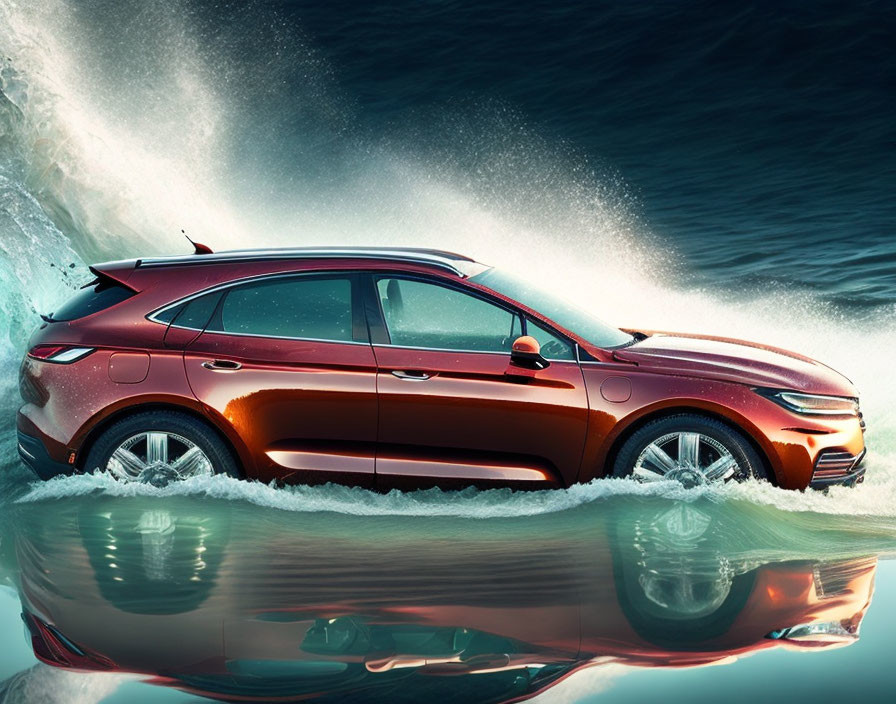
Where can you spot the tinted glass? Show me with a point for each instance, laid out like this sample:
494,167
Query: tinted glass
195,313
167,315
552,346
421,314
304,307
96,296
563,313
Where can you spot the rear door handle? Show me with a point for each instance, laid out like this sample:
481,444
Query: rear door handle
222,365
411,375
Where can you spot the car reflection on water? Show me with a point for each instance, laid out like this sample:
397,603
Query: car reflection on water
237,604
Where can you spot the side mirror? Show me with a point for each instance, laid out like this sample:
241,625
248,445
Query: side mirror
526,354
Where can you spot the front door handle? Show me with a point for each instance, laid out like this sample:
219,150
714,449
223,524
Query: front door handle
411,375
222,365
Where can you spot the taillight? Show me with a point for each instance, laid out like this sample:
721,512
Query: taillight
60,354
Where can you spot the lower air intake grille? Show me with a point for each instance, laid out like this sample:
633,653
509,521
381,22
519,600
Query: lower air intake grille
834,578
832,466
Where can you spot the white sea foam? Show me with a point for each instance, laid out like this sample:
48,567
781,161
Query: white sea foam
874,499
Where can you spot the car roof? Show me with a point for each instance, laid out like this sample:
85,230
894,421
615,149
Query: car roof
456,263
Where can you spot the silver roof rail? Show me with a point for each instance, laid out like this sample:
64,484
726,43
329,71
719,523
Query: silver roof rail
456,263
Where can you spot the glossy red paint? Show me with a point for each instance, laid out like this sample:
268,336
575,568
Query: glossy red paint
378,415
470,411
128,367
311,405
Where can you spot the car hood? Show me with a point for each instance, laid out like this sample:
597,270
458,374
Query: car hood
736,361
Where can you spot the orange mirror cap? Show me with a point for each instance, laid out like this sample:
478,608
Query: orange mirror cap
527,344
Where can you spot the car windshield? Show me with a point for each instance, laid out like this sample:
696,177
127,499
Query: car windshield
563,313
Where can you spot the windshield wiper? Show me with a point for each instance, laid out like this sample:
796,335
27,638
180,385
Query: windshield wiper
636,338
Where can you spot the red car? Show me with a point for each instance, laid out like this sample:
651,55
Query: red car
407,368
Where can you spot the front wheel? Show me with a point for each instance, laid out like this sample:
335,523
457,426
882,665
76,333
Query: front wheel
690,449
158,447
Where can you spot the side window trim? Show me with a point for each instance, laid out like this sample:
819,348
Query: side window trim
373,311
359,319
360,330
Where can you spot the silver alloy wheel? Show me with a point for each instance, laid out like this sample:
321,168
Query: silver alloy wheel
686,457
158,457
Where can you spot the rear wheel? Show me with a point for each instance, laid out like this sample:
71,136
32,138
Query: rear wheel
158,447
690,449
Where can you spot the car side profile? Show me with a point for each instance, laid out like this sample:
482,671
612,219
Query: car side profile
407,368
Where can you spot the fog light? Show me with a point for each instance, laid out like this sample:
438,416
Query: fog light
830,632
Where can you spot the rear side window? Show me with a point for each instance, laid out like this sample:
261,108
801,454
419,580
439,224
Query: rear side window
92,298
302,307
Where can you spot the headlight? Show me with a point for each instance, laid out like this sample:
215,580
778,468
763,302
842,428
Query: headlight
812,404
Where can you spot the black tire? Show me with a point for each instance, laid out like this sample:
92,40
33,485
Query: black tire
198,432
750,464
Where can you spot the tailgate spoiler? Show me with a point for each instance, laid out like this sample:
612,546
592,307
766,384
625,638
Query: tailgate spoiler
118,272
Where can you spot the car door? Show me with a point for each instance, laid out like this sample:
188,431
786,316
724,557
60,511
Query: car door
453,411
285,361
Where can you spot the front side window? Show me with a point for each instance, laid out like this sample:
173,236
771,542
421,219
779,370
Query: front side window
424,314
552,346
302,307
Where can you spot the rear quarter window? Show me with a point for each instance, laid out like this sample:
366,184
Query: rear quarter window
92,298
193,314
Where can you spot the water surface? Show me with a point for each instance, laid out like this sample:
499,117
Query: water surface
222,598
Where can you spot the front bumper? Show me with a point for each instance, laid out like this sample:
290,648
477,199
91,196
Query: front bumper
36,457
814,452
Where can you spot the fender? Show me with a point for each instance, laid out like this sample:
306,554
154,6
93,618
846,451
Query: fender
595,463
95,425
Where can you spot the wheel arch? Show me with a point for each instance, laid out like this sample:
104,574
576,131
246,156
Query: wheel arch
733,420
98,426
